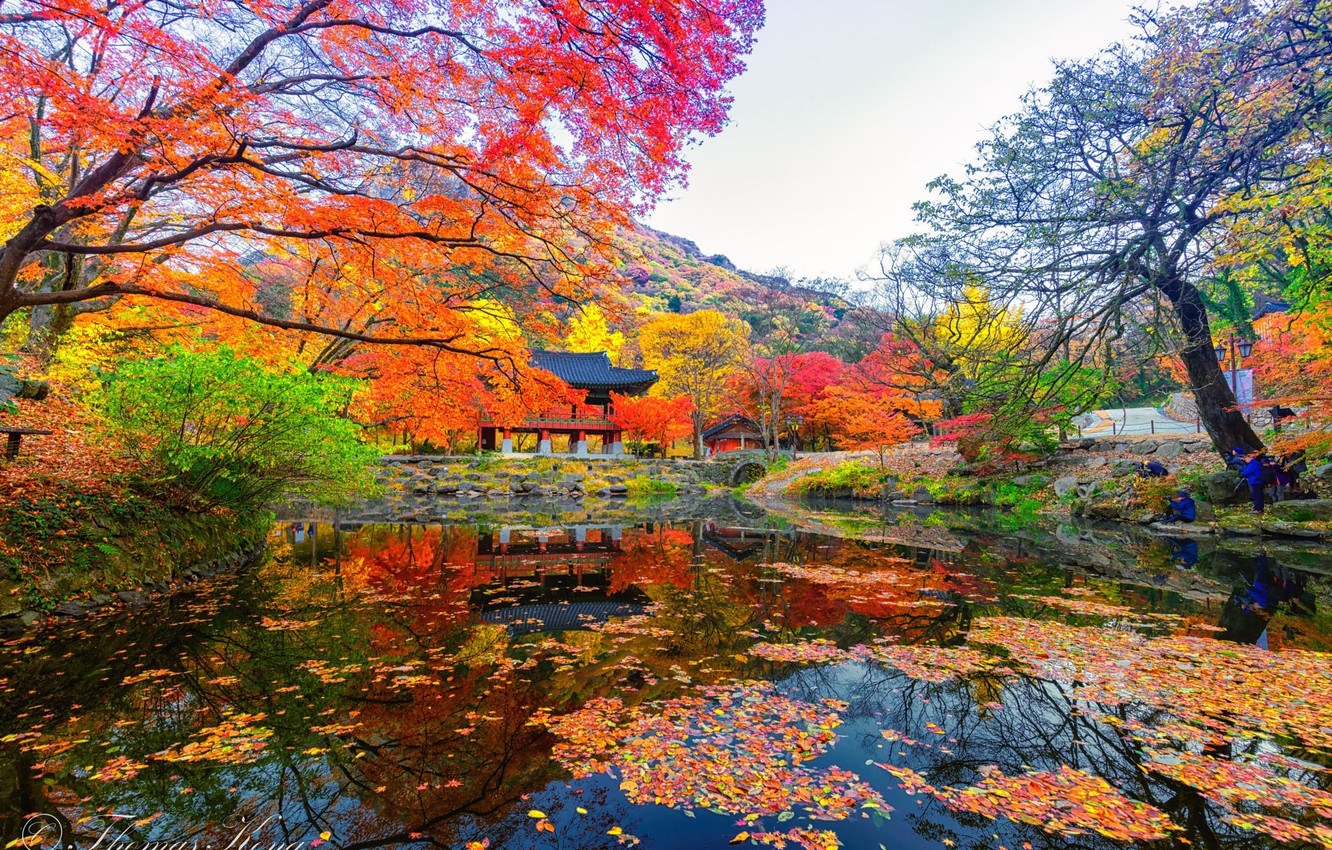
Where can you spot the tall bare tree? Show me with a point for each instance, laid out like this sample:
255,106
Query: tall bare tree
1118,186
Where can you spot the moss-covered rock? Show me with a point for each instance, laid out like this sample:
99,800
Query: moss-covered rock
1307,510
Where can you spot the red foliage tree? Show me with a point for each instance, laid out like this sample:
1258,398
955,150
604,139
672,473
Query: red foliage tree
413,157
867,420
653,419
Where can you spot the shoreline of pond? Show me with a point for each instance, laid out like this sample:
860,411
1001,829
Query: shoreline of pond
1088,543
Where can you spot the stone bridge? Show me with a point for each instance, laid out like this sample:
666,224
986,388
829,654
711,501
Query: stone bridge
741,470
731,469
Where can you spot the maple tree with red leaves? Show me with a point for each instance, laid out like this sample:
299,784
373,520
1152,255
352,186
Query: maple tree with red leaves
873,404
397,162
811,378
779,392
653,419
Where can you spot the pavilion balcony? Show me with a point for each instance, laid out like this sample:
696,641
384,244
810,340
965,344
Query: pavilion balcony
598,418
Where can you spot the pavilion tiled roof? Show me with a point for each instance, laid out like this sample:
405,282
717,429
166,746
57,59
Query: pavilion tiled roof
737,421
1272,305
591,370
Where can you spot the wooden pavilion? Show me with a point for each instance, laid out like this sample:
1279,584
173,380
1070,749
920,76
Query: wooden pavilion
591,372
735,433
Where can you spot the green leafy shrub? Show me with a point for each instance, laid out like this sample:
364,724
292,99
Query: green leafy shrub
218,429
1006,494
641,486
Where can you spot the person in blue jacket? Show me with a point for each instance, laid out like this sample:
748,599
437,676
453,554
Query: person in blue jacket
1153,469
1182,508
1235,458
1252,472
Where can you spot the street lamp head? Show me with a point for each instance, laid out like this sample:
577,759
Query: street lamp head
1220,352
1245,348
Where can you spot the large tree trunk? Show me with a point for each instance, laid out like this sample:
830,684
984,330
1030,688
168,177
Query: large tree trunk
698,435
1217,408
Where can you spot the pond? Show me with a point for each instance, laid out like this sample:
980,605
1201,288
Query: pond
887,683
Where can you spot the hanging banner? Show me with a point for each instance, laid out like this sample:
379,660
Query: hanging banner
1241,384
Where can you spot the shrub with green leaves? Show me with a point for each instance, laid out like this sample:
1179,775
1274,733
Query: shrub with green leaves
218,429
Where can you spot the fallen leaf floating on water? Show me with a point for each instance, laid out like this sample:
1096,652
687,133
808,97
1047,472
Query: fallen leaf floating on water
1197,679
1063,802
920,661
734,749
237,740
809,839
807,652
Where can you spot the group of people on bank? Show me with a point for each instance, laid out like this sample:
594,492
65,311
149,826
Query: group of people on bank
1267,479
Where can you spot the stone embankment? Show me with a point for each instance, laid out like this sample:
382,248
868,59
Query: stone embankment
1160,448
470,479
98,604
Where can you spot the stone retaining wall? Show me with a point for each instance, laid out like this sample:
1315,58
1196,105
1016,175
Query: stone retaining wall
1182,407
1160,446
471,478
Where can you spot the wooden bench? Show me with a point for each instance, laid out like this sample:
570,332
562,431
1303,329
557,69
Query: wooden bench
16,436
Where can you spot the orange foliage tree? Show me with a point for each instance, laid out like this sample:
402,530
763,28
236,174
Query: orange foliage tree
652,418
363,170
1291,368
877,402
861,420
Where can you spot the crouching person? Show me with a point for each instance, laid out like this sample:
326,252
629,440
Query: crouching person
1181,508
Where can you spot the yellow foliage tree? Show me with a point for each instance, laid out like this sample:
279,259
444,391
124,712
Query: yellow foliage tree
976,330
19,176
695,355
589,331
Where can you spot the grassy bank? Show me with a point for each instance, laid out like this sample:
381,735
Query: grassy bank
60,543
859,480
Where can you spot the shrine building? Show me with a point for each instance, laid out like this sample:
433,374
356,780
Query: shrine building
587,424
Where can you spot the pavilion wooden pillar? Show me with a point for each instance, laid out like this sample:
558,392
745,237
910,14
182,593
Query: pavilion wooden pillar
580,447
507,445
543,447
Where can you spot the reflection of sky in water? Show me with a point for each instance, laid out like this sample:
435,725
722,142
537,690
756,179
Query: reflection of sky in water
418,654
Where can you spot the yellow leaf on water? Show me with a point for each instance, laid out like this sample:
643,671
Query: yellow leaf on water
740,838
535,814
614,830
581,810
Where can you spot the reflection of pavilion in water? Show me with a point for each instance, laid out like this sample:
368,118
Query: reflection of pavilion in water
742,543
550,579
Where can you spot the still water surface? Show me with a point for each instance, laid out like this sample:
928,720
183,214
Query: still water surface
599,686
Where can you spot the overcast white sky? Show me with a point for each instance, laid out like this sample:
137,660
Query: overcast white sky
850,107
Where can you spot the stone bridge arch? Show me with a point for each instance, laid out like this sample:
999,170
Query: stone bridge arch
747,471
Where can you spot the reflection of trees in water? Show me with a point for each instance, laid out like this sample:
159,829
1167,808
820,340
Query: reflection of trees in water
449,754
1039,727
399,774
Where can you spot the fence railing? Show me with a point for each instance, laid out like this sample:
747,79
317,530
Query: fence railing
1150,427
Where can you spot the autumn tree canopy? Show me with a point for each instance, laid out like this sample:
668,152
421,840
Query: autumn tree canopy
652,418
696,355
1126,180
390,162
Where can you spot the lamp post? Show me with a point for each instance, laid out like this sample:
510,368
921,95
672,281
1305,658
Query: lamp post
1236,345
